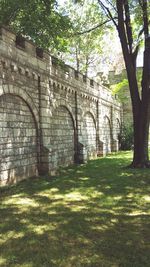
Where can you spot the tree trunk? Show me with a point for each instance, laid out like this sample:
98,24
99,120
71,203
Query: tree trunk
141,112
141,116
141,124
86,64
141,133
77,59
140,102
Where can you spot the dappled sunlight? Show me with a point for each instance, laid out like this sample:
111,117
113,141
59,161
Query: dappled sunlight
91,215
137,213
84,178
21,201
75,196
123,174
3,261
146,199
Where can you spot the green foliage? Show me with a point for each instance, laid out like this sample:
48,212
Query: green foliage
126,137
120,90
117,87
39,20
84,46
135,16
91,215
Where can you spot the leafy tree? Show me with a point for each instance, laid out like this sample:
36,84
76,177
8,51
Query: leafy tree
40,20
131,20
84,45
121,88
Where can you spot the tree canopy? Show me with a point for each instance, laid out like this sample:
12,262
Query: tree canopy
40,20
84,44
76,29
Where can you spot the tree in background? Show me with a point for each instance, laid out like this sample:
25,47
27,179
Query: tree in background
74,31
40,20
85,41
58,28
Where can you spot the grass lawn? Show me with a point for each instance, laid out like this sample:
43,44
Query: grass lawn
94,215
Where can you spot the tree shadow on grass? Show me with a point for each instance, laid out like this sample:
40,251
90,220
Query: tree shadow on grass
92,215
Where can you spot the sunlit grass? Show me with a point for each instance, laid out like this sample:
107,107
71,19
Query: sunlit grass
94,215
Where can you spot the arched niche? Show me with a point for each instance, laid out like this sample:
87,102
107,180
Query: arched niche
18,139
89,135
107,135
62,137
117,128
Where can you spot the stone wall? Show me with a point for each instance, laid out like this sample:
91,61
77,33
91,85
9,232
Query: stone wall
50,115
18,144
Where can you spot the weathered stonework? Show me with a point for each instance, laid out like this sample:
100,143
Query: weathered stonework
49,115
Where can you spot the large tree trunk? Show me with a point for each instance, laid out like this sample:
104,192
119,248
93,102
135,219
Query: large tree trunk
141,124
140,100
141,111
141,114
141,133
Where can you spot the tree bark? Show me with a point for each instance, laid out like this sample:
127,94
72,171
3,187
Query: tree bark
140,101
77,59
141,158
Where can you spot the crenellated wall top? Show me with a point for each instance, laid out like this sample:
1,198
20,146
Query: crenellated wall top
24,52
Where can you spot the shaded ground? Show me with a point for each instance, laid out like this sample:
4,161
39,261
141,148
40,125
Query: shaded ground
95,215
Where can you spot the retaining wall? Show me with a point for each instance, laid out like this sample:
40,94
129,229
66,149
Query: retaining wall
50,115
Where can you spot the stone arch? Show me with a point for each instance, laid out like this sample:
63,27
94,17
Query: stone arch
116,135
65,104
92,115
107,135
18,140
117,128
89,135
62,137
14,90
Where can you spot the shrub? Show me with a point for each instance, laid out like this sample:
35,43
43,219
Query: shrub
126,137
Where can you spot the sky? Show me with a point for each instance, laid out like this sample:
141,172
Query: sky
112,45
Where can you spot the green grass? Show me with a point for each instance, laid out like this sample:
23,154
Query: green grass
94,215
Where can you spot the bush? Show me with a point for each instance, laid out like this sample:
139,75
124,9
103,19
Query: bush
126,138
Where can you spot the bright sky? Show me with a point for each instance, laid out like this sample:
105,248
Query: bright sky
113,44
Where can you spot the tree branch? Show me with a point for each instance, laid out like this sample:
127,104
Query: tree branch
128,58
139,35
95,27
134,54
128,25
109,2
145,18
108,13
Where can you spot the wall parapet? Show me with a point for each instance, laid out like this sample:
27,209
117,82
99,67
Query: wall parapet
29,54
50,115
